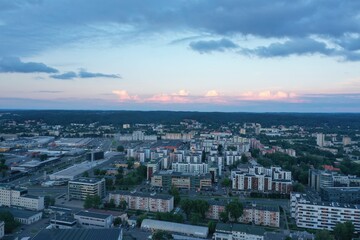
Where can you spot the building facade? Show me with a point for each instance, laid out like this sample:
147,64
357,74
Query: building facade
143,201
94,220
83,187
315,214
166,179
18,197
262,179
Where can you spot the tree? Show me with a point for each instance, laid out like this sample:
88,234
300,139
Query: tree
298,187
201,207
92,201
49,201
244,158
110,204
161,235
195,218
234,209
344,231
323,235
224,217
226,182
43,157
212,227
120,148
85,174
130,163
175,193
96,171
122,204
186,206
117,221
10,222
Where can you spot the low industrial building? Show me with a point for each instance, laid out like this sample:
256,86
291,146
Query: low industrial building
23,216
83,187
79,233
94,220
74,171
144,201
63,221
184,229
225,231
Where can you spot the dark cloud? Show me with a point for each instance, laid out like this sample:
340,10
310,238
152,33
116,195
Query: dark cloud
56,23
350,43
213,45
82,74
85,74
291,47
64,76
15,65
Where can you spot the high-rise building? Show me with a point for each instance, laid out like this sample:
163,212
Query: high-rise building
320,139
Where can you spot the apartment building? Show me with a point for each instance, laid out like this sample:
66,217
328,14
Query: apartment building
225,231
215,209
18,197
310,212
261,215
190,167
193,181
262,179
94,220
83,187
144,201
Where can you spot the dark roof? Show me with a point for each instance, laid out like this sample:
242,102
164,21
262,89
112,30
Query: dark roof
18,213
249,229
78,234
31,196
93,215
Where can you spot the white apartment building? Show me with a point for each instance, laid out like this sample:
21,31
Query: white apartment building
185,167
18,197
311,213
144,201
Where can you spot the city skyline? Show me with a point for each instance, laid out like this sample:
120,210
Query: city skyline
229,56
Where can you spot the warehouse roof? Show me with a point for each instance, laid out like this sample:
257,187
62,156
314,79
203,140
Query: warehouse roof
175,227
78,234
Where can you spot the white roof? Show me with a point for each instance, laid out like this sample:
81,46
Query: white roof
175,227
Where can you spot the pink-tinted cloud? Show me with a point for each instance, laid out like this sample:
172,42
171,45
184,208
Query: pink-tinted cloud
269,96
123,96
211,96
212,93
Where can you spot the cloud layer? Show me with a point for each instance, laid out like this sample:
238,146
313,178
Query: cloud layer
45,24
82,74
15,65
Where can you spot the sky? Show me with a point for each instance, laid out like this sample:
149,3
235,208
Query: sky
183,55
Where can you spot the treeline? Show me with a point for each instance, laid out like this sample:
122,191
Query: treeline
327,120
